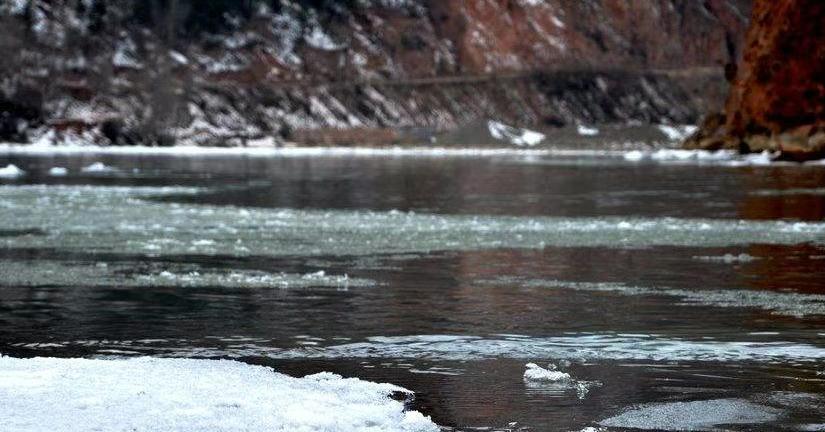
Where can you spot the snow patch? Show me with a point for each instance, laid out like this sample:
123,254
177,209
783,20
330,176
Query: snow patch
677,133
586,130
98,168
11,172
149,394
516,136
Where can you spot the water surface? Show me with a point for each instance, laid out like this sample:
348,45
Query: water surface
678,297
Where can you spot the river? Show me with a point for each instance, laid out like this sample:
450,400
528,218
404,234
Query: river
676,296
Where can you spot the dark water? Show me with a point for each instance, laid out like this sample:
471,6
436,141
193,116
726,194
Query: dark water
703,294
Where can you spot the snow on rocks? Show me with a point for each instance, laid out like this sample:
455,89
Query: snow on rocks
586,130
677,133
98,168
149,394
515,136
11,172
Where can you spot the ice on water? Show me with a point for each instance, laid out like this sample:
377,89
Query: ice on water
134,223
148,395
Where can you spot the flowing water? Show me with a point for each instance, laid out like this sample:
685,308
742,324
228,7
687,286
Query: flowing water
675,296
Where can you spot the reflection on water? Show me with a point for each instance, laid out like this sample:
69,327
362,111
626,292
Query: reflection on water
688,296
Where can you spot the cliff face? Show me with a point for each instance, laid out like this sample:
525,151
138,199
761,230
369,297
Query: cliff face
777,101
126,71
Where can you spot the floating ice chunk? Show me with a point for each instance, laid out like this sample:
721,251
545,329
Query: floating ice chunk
147,394
535,372
676,133
728,258
11,172
58,172
516,136
586,130
694,416
98,167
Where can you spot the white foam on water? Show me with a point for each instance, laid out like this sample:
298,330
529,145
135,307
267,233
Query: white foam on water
158,395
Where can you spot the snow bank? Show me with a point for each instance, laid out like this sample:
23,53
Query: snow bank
146,394
515,136
11,172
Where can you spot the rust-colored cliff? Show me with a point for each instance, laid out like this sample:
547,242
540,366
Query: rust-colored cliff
777,100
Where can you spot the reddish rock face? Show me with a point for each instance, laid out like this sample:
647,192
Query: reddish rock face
781,81
507,35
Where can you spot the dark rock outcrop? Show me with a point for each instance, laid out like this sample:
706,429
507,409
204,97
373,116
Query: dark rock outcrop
777,100
208,72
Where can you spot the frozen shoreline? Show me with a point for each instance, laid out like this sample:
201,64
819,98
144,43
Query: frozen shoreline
665,156
153,394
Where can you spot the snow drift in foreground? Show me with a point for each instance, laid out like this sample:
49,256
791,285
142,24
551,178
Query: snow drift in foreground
146,394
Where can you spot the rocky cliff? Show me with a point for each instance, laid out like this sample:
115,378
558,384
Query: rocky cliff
129,71
777,101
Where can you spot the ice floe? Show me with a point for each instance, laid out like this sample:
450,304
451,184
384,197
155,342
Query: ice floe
134,224
149,394
11,172
721,157
535,372
552,381
58,172
703,415
581,347
728,258
779,303
139,274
